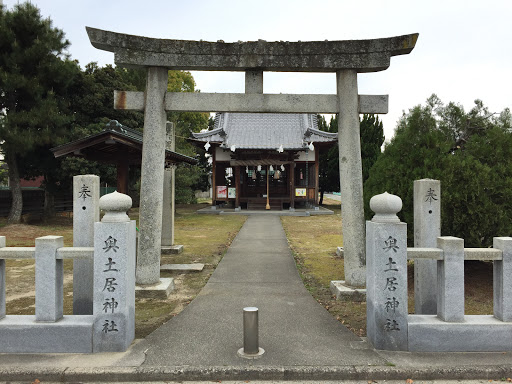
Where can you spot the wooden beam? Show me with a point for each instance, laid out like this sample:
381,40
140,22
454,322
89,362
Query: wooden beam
122,177
112,158
256,103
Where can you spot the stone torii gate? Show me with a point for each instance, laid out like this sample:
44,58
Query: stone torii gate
345,58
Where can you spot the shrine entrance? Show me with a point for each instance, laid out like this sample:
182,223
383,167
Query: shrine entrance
281,186
259,186
264,161
345,58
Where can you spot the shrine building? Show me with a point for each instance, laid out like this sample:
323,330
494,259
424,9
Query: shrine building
264,160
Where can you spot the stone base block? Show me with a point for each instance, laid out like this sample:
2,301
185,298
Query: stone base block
427,333
345,293
22,334
339,251
172,249
161,290
182,267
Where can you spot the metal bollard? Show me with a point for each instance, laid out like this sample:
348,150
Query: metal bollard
251,330
251,349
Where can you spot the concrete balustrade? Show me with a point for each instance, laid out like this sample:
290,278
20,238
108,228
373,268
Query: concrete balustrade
111,326
448,329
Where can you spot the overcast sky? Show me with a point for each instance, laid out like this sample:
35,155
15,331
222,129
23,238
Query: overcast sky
464,50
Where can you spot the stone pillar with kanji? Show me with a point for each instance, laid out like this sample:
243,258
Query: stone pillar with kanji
86,211
114,276
386,279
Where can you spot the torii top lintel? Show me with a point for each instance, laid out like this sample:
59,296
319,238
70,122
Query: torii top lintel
308,56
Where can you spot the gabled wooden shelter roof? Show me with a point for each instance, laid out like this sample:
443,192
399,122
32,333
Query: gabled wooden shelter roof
116,143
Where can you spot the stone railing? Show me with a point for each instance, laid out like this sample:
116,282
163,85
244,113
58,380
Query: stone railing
389,325
111,325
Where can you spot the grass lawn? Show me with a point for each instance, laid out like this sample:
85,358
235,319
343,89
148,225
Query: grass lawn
313,241
205,239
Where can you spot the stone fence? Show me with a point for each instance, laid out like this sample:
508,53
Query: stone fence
390,327
110,327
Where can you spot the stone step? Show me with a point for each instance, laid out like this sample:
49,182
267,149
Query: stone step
262,204
197,267
345,293
171,249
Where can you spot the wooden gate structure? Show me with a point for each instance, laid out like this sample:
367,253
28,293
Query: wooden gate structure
345,58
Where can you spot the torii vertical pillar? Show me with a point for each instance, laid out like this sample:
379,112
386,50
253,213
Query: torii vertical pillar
152,178
351,180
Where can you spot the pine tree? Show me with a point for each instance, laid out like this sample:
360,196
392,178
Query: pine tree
469,152
372,138
35,75
188,177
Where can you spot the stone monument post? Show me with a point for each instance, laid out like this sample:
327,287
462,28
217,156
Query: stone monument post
169,197
351,181
114,276
427,228
168,209
152,178
386,283
86,211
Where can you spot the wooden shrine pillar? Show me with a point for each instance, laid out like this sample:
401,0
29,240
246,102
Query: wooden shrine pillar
214,187
237,186
292,184
317,175
122,177
268,189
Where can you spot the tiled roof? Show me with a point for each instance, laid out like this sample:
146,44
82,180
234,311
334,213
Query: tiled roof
265,131
115,129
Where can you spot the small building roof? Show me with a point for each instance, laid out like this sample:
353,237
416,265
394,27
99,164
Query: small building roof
115,143
292,131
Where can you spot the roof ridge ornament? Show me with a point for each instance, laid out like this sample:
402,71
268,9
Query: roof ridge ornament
113,125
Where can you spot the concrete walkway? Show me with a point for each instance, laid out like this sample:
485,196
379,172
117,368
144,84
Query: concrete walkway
301,339
257,270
